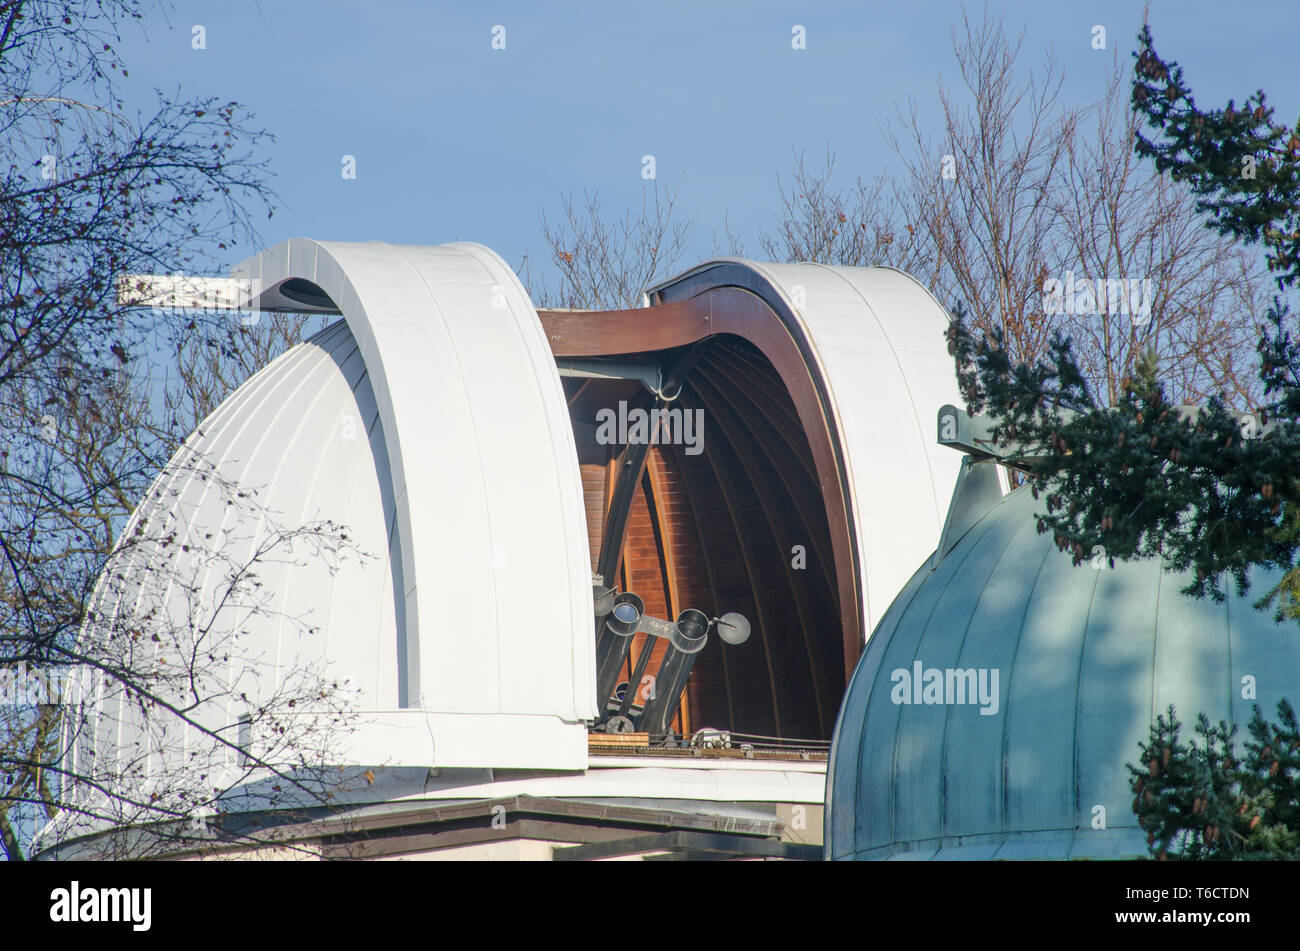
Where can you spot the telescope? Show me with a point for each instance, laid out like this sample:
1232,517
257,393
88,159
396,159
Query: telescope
648,703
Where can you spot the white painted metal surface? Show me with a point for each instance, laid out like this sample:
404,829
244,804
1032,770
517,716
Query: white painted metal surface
488,497
469,636
665,778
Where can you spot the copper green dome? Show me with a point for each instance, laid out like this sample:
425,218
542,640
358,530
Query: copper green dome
1081,659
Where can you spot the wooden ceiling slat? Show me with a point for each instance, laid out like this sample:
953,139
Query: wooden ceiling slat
817,538
706,551
758,475
790,433
762,622
761,375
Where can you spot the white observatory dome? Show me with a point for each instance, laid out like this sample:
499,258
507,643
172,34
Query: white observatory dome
465,633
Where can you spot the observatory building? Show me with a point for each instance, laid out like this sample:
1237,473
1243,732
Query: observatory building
667,582
620,565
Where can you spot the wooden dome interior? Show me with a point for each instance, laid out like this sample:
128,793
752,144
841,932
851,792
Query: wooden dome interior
740,526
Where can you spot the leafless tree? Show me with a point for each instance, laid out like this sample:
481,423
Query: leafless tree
1016,189
607,263
205,369
1119,219
982,194
171,716
855,226
88,194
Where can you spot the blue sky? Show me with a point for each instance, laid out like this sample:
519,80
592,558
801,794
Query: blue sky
455,140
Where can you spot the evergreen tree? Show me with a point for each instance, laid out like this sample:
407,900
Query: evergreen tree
1211,491
1206,489
1201,802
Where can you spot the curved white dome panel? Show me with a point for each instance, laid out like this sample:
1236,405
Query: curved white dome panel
878,335
431,423
489,513
302,439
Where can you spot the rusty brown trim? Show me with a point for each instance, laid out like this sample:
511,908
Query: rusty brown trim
656,493
714,301
656,498
599,333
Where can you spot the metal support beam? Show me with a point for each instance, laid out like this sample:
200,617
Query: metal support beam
647,372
